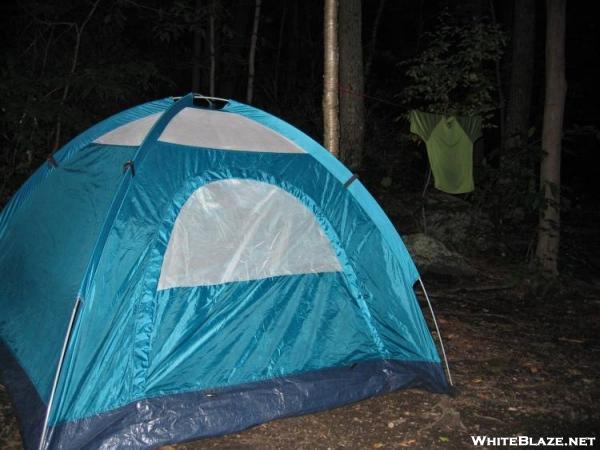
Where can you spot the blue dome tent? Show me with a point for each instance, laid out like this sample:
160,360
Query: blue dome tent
191,267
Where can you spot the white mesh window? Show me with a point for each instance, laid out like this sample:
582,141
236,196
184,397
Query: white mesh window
132,133
224,130
239,230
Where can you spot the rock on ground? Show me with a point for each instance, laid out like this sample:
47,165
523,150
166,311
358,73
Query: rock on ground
458,224
433,257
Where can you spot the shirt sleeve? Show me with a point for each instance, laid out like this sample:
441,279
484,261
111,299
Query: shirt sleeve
422,123
472,127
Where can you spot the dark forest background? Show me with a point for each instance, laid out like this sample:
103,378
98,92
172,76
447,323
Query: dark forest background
68,64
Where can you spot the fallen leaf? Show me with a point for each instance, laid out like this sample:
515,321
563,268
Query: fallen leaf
532,366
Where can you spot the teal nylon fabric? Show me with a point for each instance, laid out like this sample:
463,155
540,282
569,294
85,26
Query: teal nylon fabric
47,230
44,252
122,296
133,342
262,335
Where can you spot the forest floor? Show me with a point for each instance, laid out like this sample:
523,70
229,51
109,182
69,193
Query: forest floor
525,358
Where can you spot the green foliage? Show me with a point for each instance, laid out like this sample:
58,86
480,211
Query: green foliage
454,74
176,19
511,193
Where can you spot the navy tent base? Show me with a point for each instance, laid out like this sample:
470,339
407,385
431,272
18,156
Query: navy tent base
28,406
195,415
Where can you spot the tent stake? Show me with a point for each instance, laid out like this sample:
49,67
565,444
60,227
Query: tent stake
437,329
61,360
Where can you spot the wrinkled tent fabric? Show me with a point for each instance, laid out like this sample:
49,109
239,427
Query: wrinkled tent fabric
231,279
449,141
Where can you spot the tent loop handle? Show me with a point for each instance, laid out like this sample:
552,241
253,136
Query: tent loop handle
213,102
437,329
350,180
52,161
74,313
129,165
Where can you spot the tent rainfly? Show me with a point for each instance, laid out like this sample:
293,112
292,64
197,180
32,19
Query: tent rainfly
191,267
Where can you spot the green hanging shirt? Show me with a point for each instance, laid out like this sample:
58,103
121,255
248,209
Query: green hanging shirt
449,141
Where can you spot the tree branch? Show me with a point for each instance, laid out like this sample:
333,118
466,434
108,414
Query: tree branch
79,29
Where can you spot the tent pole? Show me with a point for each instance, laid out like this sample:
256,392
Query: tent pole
437,329
428,179
42,444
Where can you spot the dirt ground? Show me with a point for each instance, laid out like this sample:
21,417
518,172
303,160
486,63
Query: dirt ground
525,361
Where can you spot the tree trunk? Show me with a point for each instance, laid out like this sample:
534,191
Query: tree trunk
79,29
252,55
197,51
499,85
373,42
293,51
351,78
235,52
556,88
280,39
521,75
211,37
331,124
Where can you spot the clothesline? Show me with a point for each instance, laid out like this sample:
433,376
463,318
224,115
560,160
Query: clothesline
350,91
